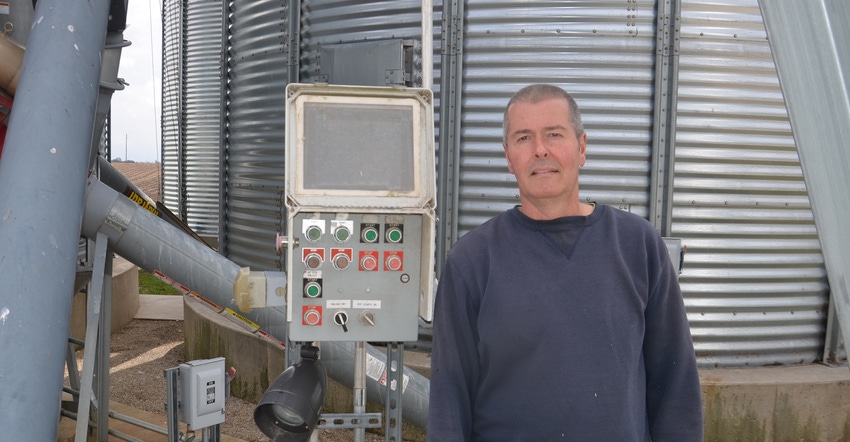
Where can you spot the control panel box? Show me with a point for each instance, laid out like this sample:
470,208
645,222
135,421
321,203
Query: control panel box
356,276
361,198
202,392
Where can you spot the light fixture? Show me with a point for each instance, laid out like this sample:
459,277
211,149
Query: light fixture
290,409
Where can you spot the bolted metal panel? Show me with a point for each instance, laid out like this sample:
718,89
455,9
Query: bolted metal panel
173,60
258,53
338,22
203,107
601,52
754,281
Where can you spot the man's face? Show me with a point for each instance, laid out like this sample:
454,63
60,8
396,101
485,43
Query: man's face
543,152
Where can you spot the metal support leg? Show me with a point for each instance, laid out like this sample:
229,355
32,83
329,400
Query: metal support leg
171,375
101,372
92,323
73,370
359,388
392,402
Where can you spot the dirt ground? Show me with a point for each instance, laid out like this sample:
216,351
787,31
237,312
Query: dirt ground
142,350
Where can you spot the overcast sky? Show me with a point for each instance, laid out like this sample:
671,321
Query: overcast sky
136,109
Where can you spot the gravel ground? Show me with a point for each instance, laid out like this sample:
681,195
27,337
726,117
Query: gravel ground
142,350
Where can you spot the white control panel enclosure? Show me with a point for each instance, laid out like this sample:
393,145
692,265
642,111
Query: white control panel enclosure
361,199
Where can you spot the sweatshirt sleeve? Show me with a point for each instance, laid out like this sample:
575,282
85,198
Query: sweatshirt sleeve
454,359
673,394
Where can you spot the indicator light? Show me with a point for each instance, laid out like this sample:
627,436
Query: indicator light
313,233
342,234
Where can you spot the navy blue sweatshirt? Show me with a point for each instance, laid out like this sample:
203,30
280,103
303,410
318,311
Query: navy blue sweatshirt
569,329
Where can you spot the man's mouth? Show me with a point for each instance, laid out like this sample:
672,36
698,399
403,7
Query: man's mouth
543,171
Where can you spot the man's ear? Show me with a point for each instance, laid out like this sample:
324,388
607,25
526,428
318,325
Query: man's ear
582,140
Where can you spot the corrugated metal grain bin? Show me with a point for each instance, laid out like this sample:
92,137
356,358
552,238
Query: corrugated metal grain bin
754,281
192,112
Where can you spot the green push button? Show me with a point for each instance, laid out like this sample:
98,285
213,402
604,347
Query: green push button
314,233
341,234
370,234
394,235
312,289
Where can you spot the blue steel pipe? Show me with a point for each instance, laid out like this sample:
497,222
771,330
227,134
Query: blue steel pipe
43,179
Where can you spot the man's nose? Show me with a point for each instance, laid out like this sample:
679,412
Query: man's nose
540,148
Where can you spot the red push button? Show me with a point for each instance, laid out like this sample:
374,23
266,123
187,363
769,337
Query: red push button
393,261
311,315
368,261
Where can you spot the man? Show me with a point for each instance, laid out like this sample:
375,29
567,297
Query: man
560,320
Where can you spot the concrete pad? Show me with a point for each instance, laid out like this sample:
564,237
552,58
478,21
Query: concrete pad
787,403
160,307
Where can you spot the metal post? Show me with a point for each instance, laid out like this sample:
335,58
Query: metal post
392,401
172,404
664,125
93,315
42,177
104,330
451,88
359,388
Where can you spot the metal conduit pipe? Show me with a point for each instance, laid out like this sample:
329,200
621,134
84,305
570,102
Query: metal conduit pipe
110,176
153,244
427,43
42,177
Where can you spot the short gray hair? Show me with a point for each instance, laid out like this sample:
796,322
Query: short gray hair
536,93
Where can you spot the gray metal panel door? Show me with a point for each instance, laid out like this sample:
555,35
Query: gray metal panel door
352,21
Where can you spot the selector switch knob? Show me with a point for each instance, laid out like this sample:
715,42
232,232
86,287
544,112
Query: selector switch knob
367,318
341,319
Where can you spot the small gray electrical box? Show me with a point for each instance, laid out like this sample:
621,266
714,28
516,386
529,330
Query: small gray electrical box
202,393
676,252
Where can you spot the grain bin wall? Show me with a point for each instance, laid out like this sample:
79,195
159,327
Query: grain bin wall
258,51
192,112
754,278
754,282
